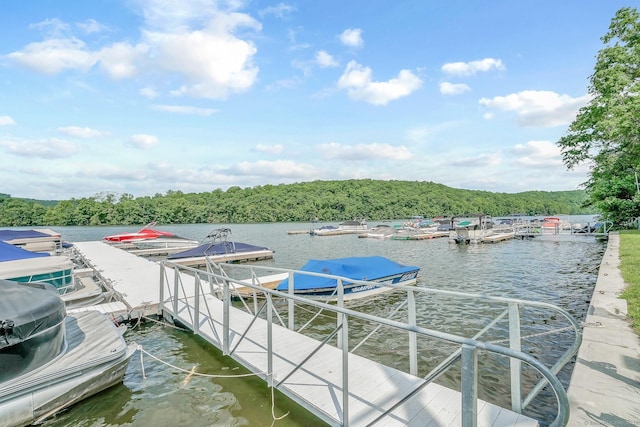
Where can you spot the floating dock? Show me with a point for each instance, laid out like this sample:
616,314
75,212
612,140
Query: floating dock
373,387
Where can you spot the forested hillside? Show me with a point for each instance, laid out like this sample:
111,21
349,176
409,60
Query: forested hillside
321,200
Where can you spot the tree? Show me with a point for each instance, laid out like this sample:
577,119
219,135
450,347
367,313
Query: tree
606,132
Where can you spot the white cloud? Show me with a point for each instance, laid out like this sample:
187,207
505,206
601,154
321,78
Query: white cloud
54,27
335,151
538,154
356,79
52,148
538,108
472,67
120,59
447,88
149,92
55,55
185,109
325,60
278,168
91,26
271,149
213,61
83,132
281,11
6,121
481,161
143,141
352,37
193,41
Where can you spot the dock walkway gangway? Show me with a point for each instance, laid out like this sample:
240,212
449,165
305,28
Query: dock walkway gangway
324,378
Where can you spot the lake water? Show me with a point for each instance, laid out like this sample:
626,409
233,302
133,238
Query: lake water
557,269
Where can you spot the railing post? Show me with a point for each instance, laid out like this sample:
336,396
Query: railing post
269,341
176,282
290,302
225,317
161,297
345,369
515,364
340,303
413,341
469,386
196,309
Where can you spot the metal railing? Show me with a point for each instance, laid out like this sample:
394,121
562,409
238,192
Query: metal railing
218,282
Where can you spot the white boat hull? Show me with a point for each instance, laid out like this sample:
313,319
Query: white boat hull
96,358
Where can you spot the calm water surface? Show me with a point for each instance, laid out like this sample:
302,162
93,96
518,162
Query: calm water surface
557,269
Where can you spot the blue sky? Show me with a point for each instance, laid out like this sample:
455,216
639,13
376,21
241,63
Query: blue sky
146,96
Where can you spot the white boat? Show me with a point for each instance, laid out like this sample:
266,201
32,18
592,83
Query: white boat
165,242
347,227
477,229
51,360
19,265
35,240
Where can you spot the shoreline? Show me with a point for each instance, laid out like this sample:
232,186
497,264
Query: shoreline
605,384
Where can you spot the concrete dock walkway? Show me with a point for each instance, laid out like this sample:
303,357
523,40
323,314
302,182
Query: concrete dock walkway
605,385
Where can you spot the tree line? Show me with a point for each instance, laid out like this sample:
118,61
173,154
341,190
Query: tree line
300,202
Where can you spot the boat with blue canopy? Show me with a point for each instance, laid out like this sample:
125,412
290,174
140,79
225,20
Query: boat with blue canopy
23,266
360,277
217,248
35,240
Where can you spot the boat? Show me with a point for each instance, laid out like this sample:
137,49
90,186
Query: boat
35,240
552,224
382,231
21,265
50,359
76,290
164,242
217,247
347,227
373,270
470,228
145,233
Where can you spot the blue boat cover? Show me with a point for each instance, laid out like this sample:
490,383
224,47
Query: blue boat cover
221,248
357,268
8,252
21,234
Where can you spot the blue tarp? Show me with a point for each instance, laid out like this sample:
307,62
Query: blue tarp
222,248
357,268
8,252
20,234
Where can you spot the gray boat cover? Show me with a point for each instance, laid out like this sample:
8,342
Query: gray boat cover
27,309
221,248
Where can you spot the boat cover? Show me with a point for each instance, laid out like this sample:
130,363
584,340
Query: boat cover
27,309
357,268
9,252
220,248
21,234
35,267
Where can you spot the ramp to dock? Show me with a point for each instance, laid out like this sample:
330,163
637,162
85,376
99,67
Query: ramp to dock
317,385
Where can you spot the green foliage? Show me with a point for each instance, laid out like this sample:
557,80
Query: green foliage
321,200
606,132
630,269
